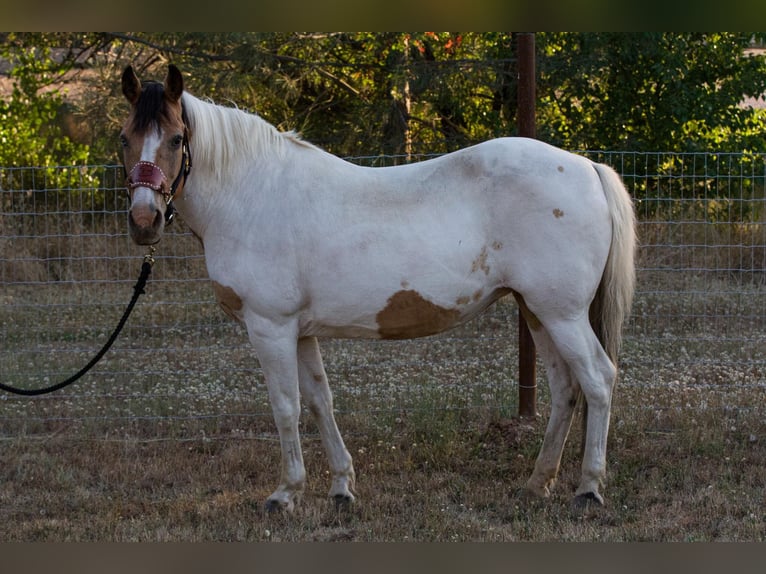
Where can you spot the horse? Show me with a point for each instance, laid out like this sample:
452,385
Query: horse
301,245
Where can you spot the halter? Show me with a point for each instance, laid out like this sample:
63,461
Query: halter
149,174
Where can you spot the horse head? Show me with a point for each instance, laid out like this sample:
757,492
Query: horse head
154,145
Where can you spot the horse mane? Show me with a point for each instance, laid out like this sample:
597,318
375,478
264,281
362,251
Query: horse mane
220,135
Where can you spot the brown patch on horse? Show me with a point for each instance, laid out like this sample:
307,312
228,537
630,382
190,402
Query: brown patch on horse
464,300
408,315
532,321
557,213
481,262
228,300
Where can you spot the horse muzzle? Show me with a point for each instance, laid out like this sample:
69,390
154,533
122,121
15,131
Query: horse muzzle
147,215
146,224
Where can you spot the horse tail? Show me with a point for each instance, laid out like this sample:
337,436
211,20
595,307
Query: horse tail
614,296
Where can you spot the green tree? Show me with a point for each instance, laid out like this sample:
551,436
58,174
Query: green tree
30,130
352,93
383,93
650,91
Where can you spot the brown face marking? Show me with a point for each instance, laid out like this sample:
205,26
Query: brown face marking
532,321
464,300
228,300
557,213
481,262
155,109
408,315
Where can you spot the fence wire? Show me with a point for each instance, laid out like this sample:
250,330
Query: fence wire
182,370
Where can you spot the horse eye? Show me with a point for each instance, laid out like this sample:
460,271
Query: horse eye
177,140
123,140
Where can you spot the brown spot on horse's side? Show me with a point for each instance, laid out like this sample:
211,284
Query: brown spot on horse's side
481,262
228,300
557,213
532,321
561,169
497,245
408,315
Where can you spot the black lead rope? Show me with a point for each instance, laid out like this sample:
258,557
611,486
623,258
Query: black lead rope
138,290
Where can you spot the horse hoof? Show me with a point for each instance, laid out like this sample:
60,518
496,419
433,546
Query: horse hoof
587,500
531,493
343,501
272,506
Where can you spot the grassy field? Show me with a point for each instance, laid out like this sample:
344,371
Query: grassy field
439,476
169,441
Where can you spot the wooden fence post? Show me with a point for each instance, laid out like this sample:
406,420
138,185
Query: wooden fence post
526,128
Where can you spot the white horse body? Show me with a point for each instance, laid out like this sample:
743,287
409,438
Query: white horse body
301,244
327,243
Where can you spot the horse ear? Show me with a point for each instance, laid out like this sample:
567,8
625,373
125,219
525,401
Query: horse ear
174,84
131,85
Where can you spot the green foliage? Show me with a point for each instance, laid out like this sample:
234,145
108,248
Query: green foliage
383,93
353,93
651,91
371,93
30,132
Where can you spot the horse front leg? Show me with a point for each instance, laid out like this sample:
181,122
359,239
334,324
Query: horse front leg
316,392
277,352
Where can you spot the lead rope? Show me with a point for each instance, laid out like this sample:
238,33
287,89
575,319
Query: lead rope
138,290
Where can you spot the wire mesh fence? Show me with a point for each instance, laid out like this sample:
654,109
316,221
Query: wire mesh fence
182,369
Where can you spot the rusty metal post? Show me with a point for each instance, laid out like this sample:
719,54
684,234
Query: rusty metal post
526,126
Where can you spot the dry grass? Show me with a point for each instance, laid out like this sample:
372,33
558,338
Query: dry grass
671,478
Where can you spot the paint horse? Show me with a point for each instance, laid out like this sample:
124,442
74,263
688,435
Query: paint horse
300,244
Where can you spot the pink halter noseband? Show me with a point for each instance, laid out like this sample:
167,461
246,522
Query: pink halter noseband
148,174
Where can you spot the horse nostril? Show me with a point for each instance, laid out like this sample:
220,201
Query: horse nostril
145,217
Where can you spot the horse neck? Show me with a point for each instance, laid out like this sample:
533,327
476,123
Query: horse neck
228,148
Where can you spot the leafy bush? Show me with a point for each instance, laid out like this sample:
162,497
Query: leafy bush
30,131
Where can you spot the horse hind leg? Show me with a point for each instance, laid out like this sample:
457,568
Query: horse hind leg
595,373
564,396
318,397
